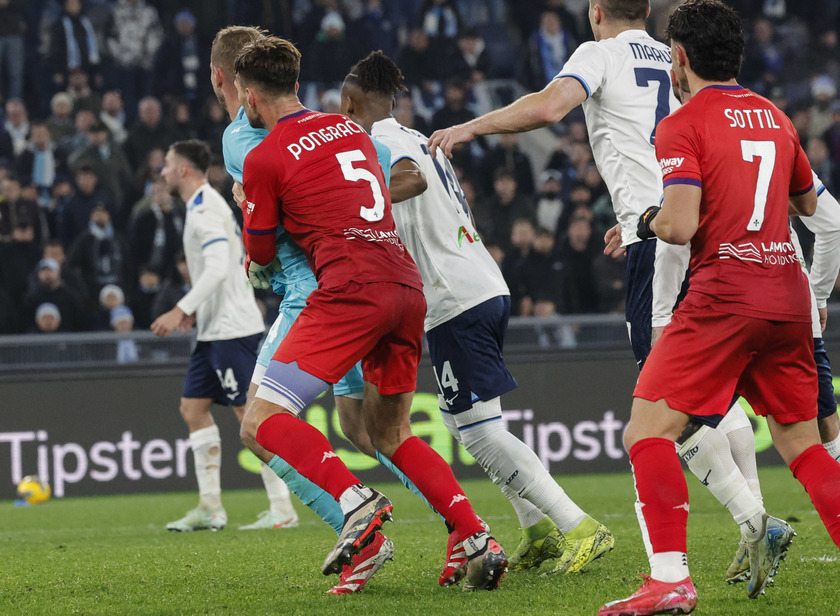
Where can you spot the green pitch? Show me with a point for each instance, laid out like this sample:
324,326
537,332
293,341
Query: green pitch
111,555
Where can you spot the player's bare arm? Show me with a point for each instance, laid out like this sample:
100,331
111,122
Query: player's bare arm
407,181
803,205
676,222
168,322
532,111
612,242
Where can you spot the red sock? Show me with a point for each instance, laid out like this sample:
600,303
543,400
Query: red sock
819,473
307,451
660,484
434,478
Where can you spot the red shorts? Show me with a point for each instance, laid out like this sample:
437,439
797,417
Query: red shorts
705,356
380,323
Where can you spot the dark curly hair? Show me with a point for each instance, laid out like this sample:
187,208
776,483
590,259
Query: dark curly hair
712,35
270,62
377,73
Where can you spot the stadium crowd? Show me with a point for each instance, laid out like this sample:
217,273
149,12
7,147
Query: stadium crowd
94,91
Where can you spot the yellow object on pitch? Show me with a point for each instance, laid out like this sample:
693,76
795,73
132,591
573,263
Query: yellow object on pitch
34,491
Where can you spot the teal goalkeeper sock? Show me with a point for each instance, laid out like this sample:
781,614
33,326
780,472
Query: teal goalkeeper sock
309,493
406,481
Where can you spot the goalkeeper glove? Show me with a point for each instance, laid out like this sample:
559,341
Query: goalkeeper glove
260,275
643,229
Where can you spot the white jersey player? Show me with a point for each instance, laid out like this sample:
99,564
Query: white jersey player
466,320
229,324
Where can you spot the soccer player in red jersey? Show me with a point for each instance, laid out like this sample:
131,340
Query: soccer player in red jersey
317,175
733,169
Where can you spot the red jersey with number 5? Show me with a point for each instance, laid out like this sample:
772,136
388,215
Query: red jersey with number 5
317,176
745,155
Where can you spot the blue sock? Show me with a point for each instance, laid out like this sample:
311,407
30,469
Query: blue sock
309,493
406,481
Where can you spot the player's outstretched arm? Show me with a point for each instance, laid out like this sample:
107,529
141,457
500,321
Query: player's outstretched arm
537,110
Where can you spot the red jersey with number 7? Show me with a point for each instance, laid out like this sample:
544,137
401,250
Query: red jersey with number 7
317,176
745,155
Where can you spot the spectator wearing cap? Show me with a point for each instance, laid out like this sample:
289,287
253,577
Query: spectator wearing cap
60,122
111,166
180,64
122,321
101,255
110,297
74,45
47,319
54,250
551,212
132,40
74,216
330,43
51,289
823,93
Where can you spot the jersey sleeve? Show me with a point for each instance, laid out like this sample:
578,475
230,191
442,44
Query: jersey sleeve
260,211
212,233
588,64
825,225
383,154
236,144
678,152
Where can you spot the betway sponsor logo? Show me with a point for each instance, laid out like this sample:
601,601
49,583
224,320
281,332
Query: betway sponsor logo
772,253
669,164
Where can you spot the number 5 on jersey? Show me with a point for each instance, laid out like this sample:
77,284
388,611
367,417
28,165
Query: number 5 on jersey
346,160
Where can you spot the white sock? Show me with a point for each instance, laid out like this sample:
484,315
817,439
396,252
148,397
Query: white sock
510,462
354,496
670,567
207,455
279,497
640,518
706,452
738,429
833,448
526,512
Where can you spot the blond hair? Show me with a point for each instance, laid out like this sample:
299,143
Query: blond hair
229,42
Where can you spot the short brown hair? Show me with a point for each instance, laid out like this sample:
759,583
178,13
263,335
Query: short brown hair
272,63
625,10
228,42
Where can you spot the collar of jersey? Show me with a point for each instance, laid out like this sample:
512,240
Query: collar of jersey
722,87
633,32
294,115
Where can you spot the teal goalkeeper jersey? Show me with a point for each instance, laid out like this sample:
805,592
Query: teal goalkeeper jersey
240,138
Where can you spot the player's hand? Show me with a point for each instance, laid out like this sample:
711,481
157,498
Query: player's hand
448,138
168,322
612,241
238,194
260,275
643,229
823,318
655,333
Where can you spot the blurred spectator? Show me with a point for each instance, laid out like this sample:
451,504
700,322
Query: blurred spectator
51,289
454,110
821,162
506,154
440,21
551,212
47,319
17,211
181,121
495,219
173,288
417,60
74,45
824,93
547,51
101,255
514,263
181,64
122,320
133,38
17,124
405,115
84,119
832,136
763,59
542,273
9,313
212,124
78,87
60,123
111,167
148,133
610,276
75,213
147,288
470,61
54,250
113,115
376,29
41,161
110,296
331,43
330,101
148,173
17,259
12,52
154,235
578,250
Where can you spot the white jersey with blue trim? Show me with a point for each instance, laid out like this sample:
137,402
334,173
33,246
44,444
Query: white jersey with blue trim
825,225
437,228
628,85
221,297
